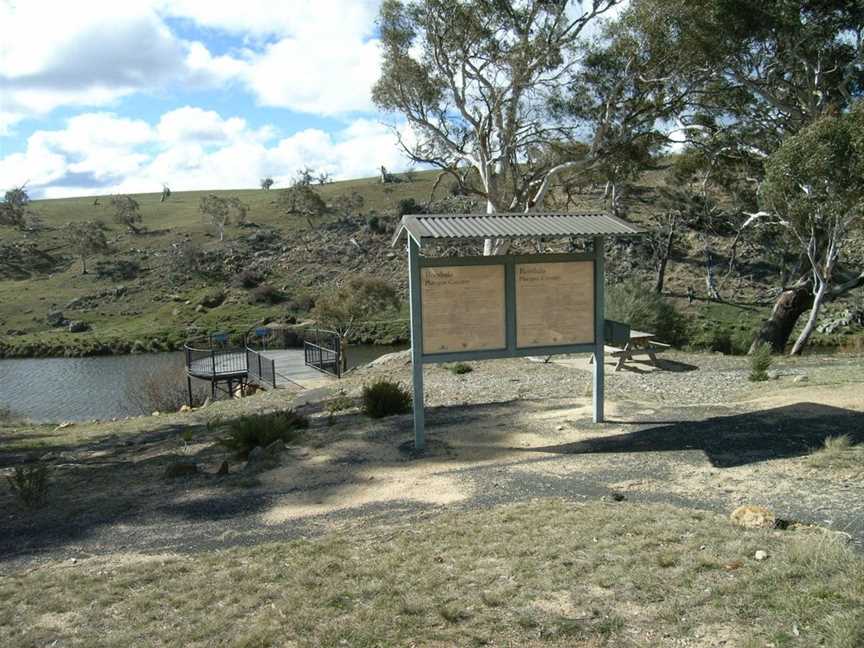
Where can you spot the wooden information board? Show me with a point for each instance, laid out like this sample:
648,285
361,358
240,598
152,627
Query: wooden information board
554,303
463,308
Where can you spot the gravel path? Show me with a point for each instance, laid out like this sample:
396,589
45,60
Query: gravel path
715,453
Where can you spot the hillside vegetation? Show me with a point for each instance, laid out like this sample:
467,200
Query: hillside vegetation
175,279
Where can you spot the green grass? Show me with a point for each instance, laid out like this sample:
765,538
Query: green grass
145,315
549,573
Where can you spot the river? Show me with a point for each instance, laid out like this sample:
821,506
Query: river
81,389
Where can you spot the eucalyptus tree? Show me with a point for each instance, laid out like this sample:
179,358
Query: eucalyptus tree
87,238
127,211
814,191
474,80
763,71
221,212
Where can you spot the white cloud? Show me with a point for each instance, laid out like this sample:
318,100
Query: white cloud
331,19
316,76
314,57
87,53
189,148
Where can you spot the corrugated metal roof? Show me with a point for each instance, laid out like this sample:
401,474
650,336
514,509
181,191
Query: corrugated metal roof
510,225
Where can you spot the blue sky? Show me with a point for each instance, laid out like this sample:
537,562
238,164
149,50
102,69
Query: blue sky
123,96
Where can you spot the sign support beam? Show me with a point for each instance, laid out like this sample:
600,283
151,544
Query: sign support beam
416,344
598,390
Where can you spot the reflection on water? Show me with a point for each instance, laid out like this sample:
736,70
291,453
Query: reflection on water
81,389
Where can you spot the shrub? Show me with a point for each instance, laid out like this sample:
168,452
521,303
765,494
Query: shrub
460,368
720,338
117,270
5,413
249,432
266,294
760,361
159,389
642,308
409,206
246,279
373,223
30,484
212,298
385,398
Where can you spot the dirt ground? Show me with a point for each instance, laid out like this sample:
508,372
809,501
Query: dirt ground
750,444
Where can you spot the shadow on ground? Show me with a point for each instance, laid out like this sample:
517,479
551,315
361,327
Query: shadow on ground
735,440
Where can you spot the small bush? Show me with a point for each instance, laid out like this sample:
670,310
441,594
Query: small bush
643,309
409,206
385,398
266,294
159,389
460,368
211,298
249,432
5,414
246,279
117,270
30,484
719,338
760,362
373,224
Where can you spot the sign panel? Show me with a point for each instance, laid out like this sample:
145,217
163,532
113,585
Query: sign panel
554,303
463,308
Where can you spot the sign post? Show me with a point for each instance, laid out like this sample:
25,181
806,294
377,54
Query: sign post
416,344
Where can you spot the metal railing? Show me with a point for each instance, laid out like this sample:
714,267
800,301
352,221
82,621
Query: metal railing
214,362
323,358
261,369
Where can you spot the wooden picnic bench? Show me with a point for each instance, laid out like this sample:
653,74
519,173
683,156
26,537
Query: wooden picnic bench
640,343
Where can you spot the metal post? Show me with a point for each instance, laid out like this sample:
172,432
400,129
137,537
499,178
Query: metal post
599,318
189,387
416,343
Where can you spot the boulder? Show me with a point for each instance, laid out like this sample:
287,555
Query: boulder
78,327
800,379
55,318
761,555
181,469
753,517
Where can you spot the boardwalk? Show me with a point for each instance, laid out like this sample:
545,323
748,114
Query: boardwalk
290,367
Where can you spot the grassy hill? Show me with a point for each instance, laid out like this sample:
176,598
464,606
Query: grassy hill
155,308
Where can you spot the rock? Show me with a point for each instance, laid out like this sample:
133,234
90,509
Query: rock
255,454
753,517
800,379
274,449
559,428
181,469
78,327
619,497
119,291
200,308
223,468
55,319
156,413
185,408
761,555
772,375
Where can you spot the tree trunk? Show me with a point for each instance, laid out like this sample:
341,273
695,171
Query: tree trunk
790,305
811,321
661,274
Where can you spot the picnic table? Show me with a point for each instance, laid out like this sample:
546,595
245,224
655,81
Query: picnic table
640,343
